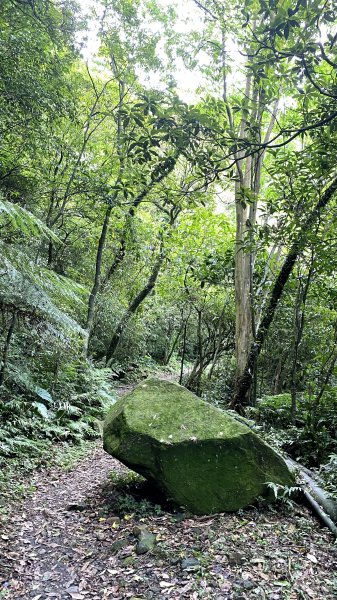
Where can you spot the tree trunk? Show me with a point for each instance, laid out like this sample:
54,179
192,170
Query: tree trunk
218,342
277,384
243,305
243,324
7,346
240,397
133,306
299,317
169,351
247,188
104,230
183,351
98,268
322,504
194,378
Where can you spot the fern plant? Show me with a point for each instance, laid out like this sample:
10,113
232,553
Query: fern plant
283,493
20,219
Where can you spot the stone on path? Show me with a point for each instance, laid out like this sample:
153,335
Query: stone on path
199,456
146,541
190,564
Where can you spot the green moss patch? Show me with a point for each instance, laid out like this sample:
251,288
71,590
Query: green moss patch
199,456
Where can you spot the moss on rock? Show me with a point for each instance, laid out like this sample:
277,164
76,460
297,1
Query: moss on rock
198,455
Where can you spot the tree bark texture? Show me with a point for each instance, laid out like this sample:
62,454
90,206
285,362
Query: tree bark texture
245,381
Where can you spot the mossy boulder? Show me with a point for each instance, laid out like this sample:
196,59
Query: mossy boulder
200,457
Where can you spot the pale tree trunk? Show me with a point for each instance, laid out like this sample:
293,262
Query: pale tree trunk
243,324
247,186
298,244
243,274
247,189
247,182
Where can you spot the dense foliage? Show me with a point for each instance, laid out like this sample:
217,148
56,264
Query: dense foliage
142,232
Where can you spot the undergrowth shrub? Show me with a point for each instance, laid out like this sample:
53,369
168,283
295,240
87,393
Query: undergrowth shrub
313,437
219,388
328,473
29,420
274,410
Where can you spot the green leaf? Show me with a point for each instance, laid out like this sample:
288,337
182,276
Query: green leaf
41,409
44,394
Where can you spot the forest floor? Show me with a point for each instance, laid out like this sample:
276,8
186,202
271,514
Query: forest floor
74,538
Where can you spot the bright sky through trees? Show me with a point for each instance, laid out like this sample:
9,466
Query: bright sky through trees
189,18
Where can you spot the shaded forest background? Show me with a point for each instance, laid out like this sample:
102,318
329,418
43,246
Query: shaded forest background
142,233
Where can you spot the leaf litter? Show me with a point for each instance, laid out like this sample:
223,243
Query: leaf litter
72,540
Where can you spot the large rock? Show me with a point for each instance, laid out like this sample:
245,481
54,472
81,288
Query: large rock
200,457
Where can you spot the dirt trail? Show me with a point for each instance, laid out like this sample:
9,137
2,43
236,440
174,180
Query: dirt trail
50,548
61,543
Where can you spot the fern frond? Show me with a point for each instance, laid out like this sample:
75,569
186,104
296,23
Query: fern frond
23,220
24,380
60,288
27,287
65,408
